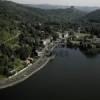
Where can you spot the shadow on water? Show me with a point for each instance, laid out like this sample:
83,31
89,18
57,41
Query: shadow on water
62,51
89,52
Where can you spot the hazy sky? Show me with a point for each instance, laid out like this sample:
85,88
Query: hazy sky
62,2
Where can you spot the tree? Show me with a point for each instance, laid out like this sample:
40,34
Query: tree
24,52
6,50
3,64
55,36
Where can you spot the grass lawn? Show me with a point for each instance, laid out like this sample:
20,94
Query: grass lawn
18,65
2,77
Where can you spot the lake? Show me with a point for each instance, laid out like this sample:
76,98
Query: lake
72,75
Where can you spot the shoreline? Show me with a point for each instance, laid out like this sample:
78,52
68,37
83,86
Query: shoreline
27,72
16,79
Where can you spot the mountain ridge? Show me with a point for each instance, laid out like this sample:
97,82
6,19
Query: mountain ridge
48,6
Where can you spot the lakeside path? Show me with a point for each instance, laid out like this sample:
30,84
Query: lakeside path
26,72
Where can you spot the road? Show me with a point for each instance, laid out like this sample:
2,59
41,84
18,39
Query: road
16,36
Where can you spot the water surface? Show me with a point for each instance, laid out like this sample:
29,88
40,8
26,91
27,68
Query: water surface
70,76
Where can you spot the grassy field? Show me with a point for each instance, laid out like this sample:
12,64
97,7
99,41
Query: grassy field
2,77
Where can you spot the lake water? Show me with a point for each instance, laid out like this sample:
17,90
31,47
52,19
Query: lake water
70,76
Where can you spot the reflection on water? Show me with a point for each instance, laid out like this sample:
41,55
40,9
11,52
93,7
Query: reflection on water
62,51
70,76
91,53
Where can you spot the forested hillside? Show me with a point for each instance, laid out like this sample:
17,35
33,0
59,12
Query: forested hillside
18,33
47,6
91,22
94,16
22,28
64,15
13,17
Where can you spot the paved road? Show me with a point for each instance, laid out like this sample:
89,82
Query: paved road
27,72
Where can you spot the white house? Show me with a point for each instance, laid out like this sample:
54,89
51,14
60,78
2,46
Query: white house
60,35
39,53
97,41
46,41
66,35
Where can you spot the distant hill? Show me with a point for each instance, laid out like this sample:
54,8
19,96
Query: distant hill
91,22
47,6
65,15
94,16
87,9
16,17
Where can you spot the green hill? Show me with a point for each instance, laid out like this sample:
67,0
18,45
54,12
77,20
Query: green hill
91,22
65,15
94,16
22,28
15,17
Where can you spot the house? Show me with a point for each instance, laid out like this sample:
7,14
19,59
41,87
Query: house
39,53
71,32
77,36
66,34
79,29
81,35
97,41
60,35
46,41
40,24
29,61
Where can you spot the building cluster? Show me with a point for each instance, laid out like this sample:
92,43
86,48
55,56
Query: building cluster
83,39
39,51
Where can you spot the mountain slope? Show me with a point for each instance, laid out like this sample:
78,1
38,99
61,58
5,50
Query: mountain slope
22,28
60,13
47,6
64,15
93,16
15,17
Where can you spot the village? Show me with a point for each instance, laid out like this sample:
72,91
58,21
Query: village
48,40
70,39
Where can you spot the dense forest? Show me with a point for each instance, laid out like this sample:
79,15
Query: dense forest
91,22
22,28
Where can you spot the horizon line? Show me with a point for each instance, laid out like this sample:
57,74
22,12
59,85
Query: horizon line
54,4
57,5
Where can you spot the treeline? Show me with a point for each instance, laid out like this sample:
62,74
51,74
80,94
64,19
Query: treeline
91,22
32,26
